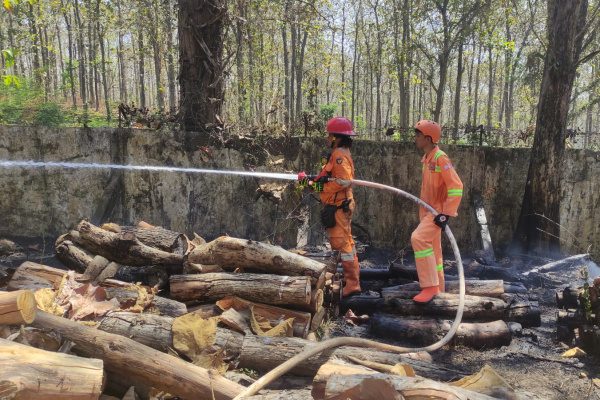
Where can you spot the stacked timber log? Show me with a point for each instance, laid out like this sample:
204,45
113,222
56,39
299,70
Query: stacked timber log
489,306
261,278
142,253
578,317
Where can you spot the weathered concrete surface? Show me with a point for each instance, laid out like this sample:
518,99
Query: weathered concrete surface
48,202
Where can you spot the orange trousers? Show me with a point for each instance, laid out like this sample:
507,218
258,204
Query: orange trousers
427,244
340,238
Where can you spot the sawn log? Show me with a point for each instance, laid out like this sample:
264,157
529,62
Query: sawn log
232,253
141,364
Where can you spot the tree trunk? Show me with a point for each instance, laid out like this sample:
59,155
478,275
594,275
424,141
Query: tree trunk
265,353
120,55
286,66
356,49
46,71
170,63
405,68
239,60
476,98
300,73
81,56
566,28
156,50
294,51
37,70
141,70
17,307
470,88
125,357
103,61
443,61
407,387
2,45
30,373
457,96
490,288
327,79
252,107
70,52
96,78
61,58
91,53
201,79
491,86
232,253
270,289
423,332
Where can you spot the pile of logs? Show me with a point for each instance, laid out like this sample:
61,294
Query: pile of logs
252,288
578,317
177,313
494,311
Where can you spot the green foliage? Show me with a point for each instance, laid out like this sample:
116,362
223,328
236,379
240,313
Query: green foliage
49,114
10,113
9,57
586,302
327,111
25,105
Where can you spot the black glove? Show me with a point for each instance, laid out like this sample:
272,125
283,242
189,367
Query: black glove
441,220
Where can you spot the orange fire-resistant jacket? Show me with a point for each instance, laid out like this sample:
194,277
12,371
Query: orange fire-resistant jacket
340,165
441,187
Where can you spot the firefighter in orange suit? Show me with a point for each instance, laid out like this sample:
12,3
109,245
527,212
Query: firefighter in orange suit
442,189
334,184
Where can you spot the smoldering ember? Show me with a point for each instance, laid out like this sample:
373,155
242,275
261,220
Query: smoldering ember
347,199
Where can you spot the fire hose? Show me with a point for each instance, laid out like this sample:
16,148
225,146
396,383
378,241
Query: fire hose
366,343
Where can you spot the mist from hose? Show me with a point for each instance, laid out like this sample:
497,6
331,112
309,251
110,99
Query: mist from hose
322,346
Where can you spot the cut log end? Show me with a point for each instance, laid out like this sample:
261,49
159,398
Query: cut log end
17,307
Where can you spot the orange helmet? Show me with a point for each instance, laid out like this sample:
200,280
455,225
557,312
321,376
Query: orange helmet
430,128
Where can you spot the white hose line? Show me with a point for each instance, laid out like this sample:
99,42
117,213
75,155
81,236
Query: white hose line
359,342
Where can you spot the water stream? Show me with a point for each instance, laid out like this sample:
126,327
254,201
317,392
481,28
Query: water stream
29,164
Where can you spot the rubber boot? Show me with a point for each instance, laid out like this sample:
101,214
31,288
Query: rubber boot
442,280
426,294
351,277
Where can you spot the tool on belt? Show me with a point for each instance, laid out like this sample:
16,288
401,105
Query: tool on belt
328,211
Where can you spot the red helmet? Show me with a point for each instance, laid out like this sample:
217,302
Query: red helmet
340,126
430,128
